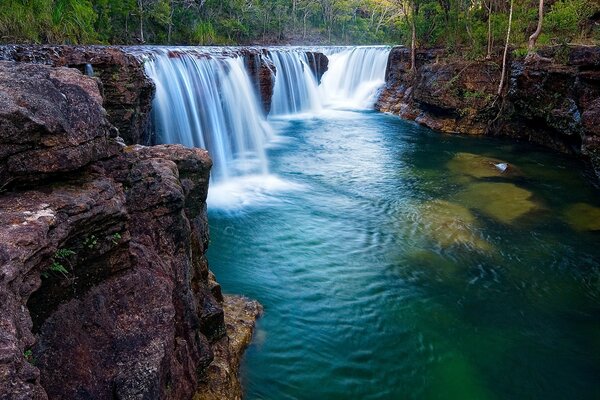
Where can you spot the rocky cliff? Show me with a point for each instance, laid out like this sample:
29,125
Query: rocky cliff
126,89
552,100
104,284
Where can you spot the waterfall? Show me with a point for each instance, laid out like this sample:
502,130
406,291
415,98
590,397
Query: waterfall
206,98
354,76
208,101
296,89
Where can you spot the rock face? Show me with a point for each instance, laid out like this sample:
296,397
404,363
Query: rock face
104,284
126,89
262,71
318,63
552,100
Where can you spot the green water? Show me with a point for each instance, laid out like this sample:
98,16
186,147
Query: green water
395,263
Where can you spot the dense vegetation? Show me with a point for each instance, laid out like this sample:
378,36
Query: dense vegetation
473,24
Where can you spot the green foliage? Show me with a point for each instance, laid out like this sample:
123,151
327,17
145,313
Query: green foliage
28,355
454,24
91,242
115,238
566,19
60,257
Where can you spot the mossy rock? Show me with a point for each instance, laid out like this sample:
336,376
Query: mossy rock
583,217
504,202
476,166
450,224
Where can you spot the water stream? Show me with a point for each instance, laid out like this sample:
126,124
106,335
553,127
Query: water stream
394,262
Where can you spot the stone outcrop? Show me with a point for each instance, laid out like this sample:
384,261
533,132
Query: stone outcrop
104,284
126,89
263,72
552,100
318,63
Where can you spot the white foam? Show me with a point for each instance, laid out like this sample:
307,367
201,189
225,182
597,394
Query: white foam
247,191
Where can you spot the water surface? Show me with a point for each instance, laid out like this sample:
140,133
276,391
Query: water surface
393,263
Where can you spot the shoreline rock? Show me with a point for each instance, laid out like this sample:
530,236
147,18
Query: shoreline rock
553,101
104,283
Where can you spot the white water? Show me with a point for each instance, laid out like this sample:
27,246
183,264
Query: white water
209,102
354,77
296,89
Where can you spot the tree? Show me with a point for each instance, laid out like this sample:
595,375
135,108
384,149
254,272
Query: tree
504,58
535,35
410,10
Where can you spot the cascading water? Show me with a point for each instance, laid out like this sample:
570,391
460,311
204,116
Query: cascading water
354,76
296,90
205,98
208,101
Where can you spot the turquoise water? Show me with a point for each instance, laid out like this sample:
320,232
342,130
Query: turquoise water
397,263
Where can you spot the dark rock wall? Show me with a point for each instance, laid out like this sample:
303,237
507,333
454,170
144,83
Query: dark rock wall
126,89
318,63
104,284
262,71
553,100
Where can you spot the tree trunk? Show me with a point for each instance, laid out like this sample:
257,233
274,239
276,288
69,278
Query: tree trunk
171,12
510,14
489,34
413,41
141,11
534,37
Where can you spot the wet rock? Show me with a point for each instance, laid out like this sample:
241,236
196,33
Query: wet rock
220,378
476,166
263,72
318,63
126,90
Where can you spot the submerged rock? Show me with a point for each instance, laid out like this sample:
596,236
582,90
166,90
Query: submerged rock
451,224
504,202
583,217
478,166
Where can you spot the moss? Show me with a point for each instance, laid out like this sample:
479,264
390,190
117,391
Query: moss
583,217
477,166
504,202
451,225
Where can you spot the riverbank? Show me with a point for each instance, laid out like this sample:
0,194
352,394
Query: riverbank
553,101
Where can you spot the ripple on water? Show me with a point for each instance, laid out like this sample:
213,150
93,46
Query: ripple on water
383,277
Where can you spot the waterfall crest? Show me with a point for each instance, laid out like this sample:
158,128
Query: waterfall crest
206,98
209,101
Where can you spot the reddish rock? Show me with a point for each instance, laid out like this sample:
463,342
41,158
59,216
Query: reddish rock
51,121
104,284
127,91
262,70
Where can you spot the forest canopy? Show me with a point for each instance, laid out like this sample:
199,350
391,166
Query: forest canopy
447,23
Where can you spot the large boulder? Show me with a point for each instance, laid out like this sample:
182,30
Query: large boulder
51,121
126,89
104,283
